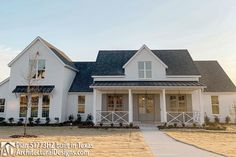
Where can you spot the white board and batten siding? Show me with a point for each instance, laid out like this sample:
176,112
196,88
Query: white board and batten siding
56,74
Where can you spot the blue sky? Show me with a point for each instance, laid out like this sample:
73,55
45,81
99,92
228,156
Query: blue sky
207,28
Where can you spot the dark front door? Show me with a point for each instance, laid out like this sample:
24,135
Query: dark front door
146,107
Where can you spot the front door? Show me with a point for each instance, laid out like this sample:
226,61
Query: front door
146,107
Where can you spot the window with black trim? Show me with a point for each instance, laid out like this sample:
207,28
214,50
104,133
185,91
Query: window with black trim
2,105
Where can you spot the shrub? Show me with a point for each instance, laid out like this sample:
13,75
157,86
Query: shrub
217,120
206,120
89,118
131,125
121,124
20,121
31,119
79,119
175,125
71,118
2,119
47,120
11,120
37,121
101,124
57,119
227,119
194,125
112,125
183,125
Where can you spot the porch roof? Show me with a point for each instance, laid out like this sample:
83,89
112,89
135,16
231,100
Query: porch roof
34,89
147,83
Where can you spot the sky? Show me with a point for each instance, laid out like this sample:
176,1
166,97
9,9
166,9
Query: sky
207,28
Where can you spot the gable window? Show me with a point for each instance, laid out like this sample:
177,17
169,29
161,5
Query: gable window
2,105
23,105
81,104
145,69
37,68
45,105
34,106
215,104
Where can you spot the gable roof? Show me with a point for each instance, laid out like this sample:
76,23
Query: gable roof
83,78
60,55
179,62
214,77
149,51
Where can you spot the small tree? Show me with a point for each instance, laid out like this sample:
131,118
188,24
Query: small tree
29,80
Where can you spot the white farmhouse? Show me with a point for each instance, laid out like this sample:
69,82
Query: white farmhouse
121,86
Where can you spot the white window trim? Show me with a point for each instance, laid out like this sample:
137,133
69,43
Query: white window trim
4,105
215,104
37,69
79,104
144,70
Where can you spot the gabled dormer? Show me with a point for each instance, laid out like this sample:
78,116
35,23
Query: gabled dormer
145,65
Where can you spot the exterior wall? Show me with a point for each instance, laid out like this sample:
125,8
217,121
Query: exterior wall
55,75
67,81
72,105
226,100
4,88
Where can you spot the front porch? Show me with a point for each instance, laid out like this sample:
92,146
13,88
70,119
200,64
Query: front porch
149,105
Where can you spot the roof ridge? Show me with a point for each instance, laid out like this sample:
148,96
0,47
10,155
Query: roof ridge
52,46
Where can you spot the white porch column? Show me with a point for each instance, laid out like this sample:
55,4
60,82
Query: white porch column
163,106
94,105
201,106
130,106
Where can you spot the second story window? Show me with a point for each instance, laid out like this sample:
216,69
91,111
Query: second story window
37,68
145,69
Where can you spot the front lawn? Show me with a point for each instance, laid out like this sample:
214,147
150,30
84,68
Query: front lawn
106,143
220,142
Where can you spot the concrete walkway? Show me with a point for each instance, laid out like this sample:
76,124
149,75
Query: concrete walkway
164,146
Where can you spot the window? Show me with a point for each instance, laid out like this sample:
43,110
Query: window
145,69
215,104
177,103
23,105
81,104
115,103
37,67
2,105
45,105
34,106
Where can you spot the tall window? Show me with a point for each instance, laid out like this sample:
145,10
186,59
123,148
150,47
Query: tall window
37,67
145,69
23,105
45,106
215,104
115,103
178,103
2,105
81,104
34,106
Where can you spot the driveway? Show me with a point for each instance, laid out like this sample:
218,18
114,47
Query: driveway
164,146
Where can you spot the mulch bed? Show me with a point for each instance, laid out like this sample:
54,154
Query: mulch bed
23,136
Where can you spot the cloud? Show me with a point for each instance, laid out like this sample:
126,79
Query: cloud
6,55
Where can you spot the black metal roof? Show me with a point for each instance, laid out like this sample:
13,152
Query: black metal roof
214,77
179,62
147,83
83,78
34,89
